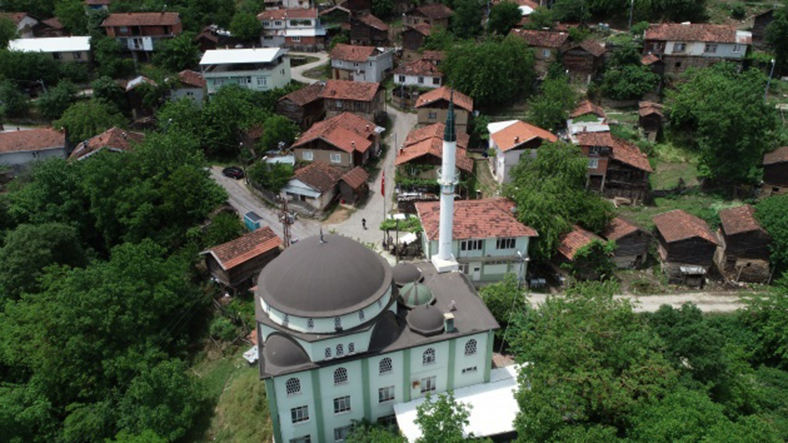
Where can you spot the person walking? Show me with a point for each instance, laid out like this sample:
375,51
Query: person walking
364,223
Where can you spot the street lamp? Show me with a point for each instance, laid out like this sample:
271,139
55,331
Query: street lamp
523,261
769,82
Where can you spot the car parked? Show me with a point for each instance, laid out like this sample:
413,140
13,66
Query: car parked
233,172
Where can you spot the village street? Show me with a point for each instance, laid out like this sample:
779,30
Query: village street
297,73
716,302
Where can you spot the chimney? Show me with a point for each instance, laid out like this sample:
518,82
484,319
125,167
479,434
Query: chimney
516,139
448,322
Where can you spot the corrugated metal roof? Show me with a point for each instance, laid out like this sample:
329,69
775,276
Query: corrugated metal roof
248,55
50,44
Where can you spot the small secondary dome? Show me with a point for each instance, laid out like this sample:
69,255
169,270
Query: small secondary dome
426,320
282,351
406,273
416,294
324,278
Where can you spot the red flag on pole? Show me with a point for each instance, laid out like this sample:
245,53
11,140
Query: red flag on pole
383,185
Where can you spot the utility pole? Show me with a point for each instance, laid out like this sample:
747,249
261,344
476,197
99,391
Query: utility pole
631,8
769,82
286,220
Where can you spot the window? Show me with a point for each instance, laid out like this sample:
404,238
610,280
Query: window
262,81
432,115
711,48
737,48
351,348
545,53
428,357
56,55
428,384
385,394
277,23
593,163
471,245
336,158
77,56
293,386
339,104
469,370
340,350
295,39
470,347
299,414
402,79
310,323
124,30
421,80
328,353
304,439
308,155
189,94
340,376
679,47
341,404
385,366
293,23
286,320
388,420
337,320
340,434
355,65
436,80
505,243
266,23
361,315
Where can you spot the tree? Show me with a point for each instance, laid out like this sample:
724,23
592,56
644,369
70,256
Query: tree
7,31
628,82
551,107
146,436
85,119
29,68
182,115
671,10
777,35
442,420
246,27
71,14
230,111
772,212
571,11
276,129
550,195
440,39
503,17
541,18
108,91
492,72
767,314
272,177
504,299
725,112
366,432
594,261
382,8
54,102
108,55
223,228
12,101
466,21
177,54
74,72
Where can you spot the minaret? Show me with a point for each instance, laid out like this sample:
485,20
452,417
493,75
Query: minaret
444,261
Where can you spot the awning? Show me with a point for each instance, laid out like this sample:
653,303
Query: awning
693,270
408,238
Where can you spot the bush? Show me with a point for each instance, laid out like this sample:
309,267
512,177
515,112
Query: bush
738,11
223,329
74,72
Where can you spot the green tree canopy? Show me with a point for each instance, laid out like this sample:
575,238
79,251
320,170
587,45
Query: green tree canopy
503,17
246,27
182,115
440,39
467,19
276,129
628,82
177,54
272,177
224,118
7,31
504,299
54,102
223,228
71,13
107,90
551,107
442,419
29,68
85,119
772,212
777,35
108,55
13,102
382,8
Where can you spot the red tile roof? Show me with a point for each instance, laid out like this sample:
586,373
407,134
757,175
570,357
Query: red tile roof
435,11
779,155
622,150
519,133
53,22
355,177
282,14
434,56
115,139
542,39
419,67
593,47
434,147
488,218
142,19
422,28
351,52
320,176
739,220
575,239
435,130
31,140
444,93
649,59
305,95
16,17
245,248
693,32
346,131
678,225
646,108
619,228
371,20
350,90
586,107
191,78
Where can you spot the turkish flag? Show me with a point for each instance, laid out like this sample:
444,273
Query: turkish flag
383,185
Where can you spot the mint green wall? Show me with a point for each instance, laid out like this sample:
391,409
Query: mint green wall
354,388
377,381
285,402
465,361
418,370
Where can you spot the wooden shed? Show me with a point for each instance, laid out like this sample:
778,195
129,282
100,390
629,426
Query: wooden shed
353,186
305,107
686,247
743,254
583,60
368,30
237,262
760,23
565,257
775,172
632,243
650,118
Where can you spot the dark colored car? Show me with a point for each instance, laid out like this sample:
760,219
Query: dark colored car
233,172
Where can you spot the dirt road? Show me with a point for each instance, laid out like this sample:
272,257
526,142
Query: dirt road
719,302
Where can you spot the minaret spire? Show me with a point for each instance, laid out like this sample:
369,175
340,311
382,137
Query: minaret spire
444,261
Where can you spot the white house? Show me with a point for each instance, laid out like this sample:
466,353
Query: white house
344,337
314,184
691,45
360,63
18,148
510,140
259,69
421,73
61,48
487,239
298,29
586,117
190,84
24,23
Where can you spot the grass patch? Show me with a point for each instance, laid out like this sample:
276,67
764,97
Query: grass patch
301,60
320,72
703,205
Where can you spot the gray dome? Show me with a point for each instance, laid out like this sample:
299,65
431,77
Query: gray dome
283,352
426,320
314,279
406,273
385,333
416,294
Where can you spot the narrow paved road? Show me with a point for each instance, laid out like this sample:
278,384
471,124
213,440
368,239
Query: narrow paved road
297,73
720,302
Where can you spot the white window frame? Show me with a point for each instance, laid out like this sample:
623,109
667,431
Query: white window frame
296,39
262,81
336,158
266,23
471,245
386,394
679,47
341,433
545,53
299,414
402,79
737,48
308,156
711,48
428,384
436,81
277,23
342,404
303,439
421,80
506,243
593,163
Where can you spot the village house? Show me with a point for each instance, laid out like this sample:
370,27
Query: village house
314,185
297,29
97,5
760,23
368,30
650,119
420,73
353,186
654,63
190,84
632,243
336,19
114,140
362,98
258,69
360,63
487,239
586,117
412,39
346,141
686,247
691,45
510,140
547,45
775,172
139,32
62,49
21,147
135,95
50,27
237,263
305,106
432,14
743,254
25,23
616,167
566,260
433,107
583,60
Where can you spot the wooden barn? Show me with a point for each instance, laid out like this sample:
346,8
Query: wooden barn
760,23
775,172
743,254
237,262
686,247
632,243
368,30
353,185
565,258
305,107
583,60
650,119
412,39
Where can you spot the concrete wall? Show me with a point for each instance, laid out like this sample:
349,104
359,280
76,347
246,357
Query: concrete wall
257,80
324,155
698,49
428,116
24,157
493,263
418,80
195,94
373,70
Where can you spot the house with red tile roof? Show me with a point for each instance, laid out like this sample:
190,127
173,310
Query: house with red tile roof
362,98
743,254
360,63
567,261
236,263
586,117
419,73
345,141
315,185
432,14
139,32
305,106
487,239
412,39
113,139
189,84
650,117
25,23
775,172
299,29
433,107
681,46
512,139
353,185
583,60
686,247
368,30
632,242
21,147
547,45
616,167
